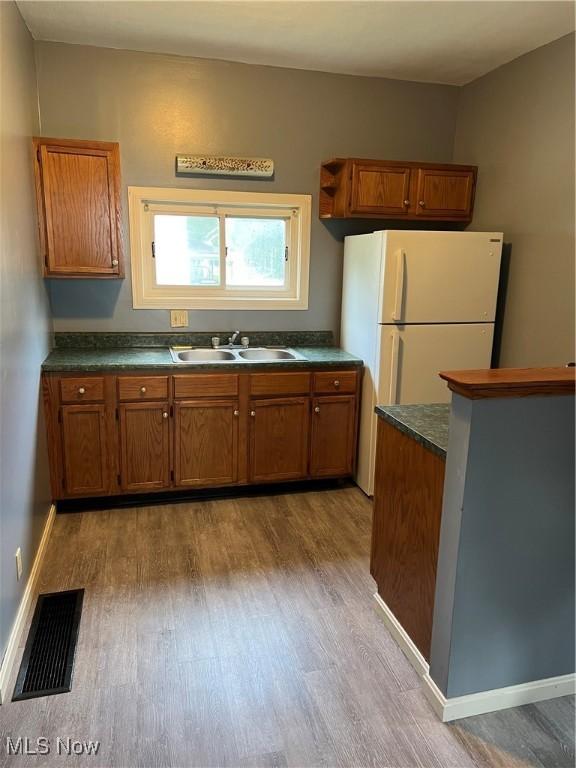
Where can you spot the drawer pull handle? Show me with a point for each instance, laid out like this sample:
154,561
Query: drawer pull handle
422,204
143,390
336,383
252,413
81,391
406,203
236,413
317,409
114,262
165,415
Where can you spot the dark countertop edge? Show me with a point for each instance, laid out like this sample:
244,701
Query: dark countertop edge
410,432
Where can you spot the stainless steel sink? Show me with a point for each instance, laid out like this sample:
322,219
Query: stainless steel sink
267,354
233,355
201,355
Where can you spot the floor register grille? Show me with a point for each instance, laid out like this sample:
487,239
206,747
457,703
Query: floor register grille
48,659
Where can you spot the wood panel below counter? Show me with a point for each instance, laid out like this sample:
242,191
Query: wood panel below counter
408,492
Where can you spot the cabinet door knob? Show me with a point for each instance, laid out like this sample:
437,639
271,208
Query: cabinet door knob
81,391
143,390
236,413
336,383
406,203
252,413
421,203
114,262
165,415
317,409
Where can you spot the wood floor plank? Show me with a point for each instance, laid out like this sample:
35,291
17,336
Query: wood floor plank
242,632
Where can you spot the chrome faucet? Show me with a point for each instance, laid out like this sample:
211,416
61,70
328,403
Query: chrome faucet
233,338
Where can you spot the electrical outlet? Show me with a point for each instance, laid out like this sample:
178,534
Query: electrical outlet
18,563
178,318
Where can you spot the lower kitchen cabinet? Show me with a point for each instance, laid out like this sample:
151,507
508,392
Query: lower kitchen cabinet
84,450
279,439
144,446
136,433
206,442
332,448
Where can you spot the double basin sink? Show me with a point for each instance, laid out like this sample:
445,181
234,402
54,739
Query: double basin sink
233,355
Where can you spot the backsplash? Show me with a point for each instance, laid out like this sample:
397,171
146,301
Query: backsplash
193,338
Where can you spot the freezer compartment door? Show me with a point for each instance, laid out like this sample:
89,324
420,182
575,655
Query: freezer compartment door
440,277
413,355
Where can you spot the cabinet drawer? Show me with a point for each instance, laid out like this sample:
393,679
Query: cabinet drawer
143,387
206,385
279,383
82,390
329,382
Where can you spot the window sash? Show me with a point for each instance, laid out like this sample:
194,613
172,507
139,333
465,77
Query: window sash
288,215
147,294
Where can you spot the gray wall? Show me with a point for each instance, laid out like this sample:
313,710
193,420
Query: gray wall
517,124
504,605
24,323
157,106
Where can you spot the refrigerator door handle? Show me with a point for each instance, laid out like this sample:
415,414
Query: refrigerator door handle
395,349
399,291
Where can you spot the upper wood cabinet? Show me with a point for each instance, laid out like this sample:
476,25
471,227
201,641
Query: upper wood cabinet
444,193
377,189
78,198
382,189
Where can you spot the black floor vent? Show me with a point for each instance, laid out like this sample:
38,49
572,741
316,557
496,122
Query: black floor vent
48,659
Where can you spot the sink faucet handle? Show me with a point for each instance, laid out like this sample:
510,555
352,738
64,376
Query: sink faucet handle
245,341
233,337
215,342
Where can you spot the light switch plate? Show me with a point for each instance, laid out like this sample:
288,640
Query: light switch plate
179,318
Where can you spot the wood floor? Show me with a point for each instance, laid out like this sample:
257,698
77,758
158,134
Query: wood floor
242,633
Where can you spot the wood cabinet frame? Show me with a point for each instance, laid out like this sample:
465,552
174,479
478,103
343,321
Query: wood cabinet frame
340,181
206,389
109,151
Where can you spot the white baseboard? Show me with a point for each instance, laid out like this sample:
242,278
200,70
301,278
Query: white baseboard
24,607
474,703
402,637
498,698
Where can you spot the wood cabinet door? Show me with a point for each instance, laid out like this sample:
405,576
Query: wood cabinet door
144,446
378,189
445,193
332,446
85,450
279,431
78,190
206,442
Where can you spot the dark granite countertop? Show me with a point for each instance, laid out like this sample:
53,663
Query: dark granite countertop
64,359
428,424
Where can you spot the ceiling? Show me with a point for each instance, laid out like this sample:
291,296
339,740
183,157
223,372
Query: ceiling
439,42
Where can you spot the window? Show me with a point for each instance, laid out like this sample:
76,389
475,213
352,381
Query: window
202,249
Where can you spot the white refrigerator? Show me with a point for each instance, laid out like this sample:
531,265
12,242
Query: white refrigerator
413,304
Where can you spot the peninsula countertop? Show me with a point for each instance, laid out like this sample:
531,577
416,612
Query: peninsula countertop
427,424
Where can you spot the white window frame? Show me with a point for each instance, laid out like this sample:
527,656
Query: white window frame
143,202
